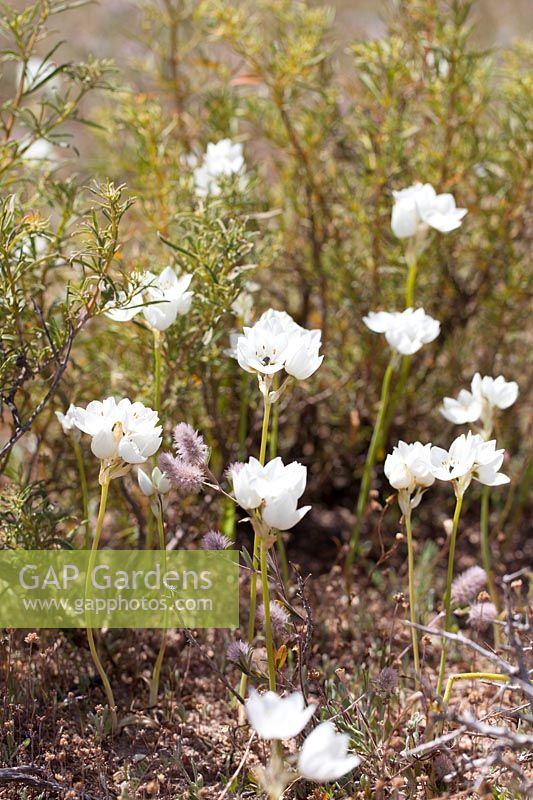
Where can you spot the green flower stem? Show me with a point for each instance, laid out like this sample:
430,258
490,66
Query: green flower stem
273,451
485,555
448,595
255,558
268,627
84,493
369,466
154,685
412,266
464,676
412,593
157,371
90,636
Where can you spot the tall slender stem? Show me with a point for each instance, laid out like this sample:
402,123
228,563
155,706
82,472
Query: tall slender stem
84,493
412,592
255,557
366,480
469,676
154,685
412,267
268,626
448,595
485,555
157,371
90,637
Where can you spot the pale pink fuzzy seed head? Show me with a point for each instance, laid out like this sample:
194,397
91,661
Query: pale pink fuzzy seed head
214,540
190,446
468,585
279,618
387,680
185,477
239,651
482,615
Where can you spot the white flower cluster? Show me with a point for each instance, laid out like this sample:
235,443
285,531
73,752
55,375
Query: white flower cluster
405,331
274,489
412,468
324,754
486,395
160,298
221,160
276,342
419,207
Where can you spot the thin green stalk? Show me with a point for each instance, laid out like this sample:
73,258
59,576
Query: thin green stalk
255,557
448,595
273,451
157,371
92,647
412,593
268,627
411,279
154,685
465,676
485,555
84,493
364,489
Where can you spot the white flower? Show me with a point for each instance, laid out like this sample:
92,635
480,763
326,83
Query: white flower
157,483
221,160
405,331
324,755
469,457
122,431
410,471
274,489
420,206
68,421
277,342
274,717
159,297
39,150
37,71
486,395
497,392
466,408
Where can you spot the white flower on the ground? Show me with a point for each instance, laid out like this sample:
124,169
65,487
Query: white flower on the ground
277,342
419,206
405,331
324,755
68,420
159,297
410,471
122,431
274,717
156,483
221,159
469,457
487,394
274,489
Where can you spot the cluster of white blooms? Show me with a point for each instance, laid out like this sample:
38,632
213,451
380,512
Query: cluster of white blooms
276,342
486,395
405,331
420,207
412,468
122,432
160,298
274,489
221,160
324,754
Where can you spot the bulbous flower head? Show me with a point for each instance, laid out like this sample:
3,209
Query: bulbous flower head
487,394
469,457
466,408
419,206
122,431
274,489
324,755
274,717
405,331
